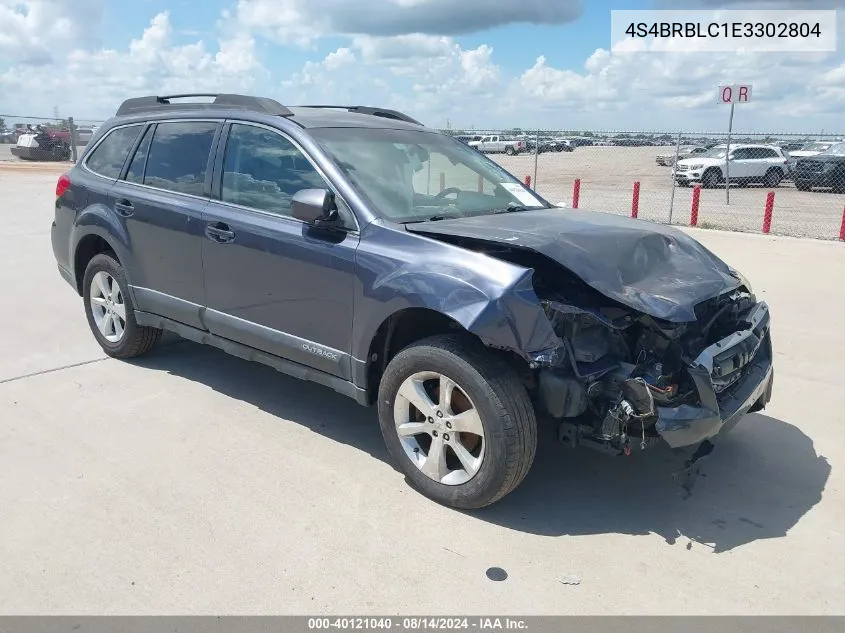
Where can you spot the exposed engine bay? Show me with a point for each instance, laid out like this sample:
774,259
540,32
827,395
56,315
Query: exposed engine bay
616,368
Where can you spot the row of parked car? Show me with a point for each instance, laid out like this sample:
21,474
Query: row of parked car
512,145
818,164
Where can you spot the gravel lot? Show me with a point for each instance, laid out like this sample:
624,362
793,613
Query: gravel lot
607,175
193,482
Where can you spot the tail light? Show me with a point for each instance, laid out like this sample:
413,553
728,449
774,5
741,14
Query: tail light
62,185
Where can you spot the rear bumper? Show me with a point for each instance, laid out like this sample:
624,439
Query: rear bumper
748,354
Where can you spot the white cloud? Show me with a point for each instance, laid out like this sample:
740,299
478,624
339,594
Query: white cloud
36,32
300,22
425,75
425,71
652,89
93,83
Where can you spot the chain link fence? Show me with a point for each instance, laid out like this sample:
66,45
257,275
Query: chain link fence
787,184
763,188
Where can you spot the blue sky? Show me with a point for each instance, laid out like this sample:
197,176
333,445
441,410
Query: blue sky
475,63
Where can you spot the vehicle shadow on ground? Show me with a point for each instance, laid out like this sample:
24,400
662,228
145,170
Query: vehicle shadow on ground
757,484
307,404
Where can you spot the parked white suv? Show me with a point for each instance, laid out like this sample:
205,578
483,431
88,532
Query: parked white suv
748,163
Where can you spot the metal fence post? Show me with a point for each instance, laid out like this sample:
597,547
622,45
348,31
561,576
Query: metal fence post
674,180
72,127
536,154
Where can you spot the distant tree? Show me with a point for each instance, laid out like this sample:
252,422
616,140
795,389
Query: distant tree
2,123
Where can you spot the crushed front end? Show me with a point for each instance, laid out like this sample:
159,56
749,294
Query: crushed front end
622,380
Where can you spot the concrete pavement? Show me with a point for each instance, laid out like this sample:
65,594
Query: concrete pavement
192,482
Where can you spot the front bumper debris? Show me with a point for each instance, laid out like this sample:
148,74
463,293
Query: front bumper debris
733,376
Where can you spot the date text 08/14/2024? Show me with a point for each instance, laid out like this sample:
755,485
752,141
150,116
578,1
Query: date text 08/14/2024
417,623
724,29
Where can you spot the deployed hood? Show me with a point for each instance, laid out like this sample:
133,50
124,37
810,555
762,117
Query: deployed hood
648,267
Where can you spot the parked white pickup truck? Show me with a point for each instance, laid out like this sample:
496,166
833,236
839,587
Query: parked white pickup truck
496,144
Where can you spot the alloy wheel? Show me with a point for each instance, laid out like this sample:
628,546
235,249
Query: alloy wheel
107,306
439,428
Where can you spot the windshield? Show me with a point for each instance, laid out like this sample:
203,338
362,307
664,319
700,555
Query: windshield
414,176
816,147
714,152
837,150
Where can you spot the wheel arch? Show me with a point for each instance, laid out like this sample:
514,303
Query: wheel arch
98,229
87,244
397,331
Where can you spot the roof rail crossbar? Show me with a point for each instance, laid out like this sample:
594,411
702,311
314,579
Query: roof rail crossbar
382,112
152,103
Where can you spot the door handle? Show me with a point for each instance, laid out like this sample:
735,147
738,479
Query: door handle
124,207
219,232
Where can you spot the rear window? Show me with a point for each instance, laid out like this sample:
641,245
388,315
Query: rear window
108,157
178,156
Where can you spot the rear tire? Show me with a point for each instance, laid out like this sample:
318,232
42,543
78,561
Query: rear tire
110,311
773,178
839,181
509,150
482,388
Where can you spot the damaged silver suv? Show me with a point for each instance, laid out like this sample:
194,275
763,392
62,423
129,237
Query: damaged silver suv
354,247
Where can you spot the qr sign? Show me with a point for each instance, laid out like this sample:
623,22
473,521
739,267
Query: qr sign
735,93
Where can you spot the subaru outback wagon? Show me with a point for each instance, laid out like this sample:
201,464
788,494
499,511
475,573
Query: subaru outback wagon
354,247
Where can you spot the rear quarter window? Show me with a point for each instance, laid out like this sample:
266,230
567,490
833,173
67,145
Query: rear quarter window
108,157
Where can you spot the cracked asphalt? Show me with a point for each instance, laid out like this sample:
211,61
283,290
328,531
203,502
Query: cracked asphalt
190,482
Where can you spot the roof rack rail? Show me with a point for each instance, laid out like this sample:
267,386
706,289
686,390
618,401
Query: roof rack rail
163,103
382,112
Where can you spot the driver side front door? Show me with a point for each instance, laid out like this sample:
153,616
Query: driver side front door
273,282
742,164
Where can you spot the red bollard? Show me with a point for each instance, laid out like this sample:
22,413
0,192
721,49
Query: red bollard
635,202
528,181
767,215
842,228
442,180
481,184
576,193
696,196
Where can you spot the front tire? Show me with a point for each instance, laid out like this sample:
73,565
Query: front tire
710,179
110,311
457,421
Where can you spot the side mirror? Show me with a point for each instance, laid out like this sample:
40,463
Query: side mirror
313,206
